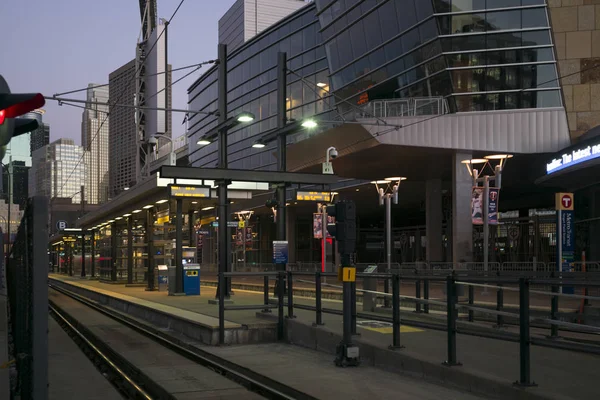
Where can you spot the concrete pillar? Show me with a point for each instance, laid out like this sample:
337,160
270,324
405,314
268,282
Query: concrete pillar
433,219
290,224
462,227
594,227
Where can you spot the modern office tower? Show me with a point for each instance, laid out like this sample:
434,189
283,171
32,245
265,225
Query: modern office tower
247,18
125,152
20,185
58,171
41,136
94,140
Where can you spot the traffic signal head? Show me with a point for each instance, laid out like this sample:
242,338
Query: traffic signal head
13,105
344,229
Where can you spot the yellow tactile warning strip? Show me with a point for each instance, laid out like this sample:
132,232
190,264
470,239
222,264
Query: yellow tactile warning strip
385,327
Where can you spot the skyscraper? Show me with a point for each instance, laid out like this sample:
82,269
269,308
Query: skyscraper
123,143
94,140
41,136
247,18
57,171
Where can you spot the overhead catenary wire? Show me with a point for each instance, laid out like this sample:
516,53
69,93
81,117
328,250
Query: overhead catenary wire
119,98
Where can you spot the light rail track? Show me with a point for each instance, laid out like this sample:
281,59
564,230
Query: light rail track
132,383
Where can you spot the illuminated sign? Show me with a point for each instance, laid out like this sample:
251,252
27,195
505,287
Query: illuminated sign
190,191
313,196
573,158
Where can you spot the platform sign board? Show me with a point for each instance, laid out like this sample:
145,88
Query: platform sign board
189,191
280,251
61,225
370,269
493,206
313,196
565,234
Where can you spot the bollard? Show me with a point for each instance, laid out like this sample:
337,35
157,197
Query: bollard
418,295
319,305
353,309
553,313
471,302
396,312
451,321
290,295
524,339
426,296
266,294
499,306
280,295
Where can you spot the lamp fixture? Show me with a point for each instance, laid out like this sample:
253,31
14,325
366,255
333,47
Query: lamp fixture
148,206
245,117
309,123
203,142
258,145
321,84
162,201
208,208
136,211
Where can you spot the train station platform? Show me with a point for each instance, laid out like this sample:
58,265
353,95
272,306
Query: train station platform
489,366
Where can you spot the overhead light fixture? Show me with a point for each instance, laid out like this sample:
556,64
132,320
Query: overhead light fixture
136,211
258,145
126,215
358,190
161,201
245,117
194,202
474,161
111,221
148,206
125,188
498,156
203,142
321,84
309,123
380,182
207,208
118,218
396,178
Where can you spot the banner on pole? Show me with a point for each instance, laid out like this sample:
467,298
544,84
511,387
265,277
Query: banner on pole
477,205
493,206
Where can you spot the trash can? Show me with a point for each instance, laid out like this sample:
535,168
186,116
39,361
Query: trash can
172,279
191,279
369,299
162,278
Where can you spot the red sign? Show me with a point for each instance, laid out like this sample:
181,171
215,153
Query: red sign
566,201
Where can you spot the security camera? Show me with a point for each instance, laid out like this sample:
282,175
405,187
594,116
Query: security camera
332,153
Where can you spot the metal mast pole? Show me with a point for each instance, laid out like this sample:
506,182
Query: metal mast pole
281,149
486,222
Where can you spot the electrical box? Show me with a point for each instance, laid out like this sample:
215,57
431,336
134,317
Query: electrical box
191,279
162,278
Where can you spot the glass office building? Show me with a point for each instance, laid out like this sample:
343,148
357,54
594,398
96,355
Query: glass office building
479,55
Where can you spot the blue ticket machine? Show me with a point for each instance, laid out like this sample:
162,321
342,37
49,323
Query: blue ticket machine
191,279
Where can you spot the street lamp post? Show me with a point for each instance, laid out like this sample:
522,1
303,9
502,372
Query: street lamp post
478,177
244,216
387,189
153,141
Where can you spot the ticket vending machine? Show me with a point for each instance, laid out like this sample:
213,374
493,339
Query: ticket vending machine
191,279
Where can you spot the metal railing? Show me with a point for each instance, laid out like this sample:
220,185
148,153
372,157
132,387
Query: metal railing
523,317
411,107
27,273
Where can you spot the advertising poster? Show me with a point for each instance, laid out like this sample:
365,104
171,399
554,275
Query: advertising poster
249,237
318,226
493,206
280,251
477,206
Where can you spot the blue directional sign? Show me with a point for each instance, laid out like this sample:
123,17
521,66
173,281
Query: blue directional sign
280,251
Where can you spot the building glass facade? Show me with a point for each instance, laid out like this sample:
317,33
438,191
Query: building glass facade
479,55
252,86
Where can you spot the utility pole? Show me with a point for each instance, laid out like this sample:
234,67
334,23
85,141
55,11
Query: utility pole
281,151
10,200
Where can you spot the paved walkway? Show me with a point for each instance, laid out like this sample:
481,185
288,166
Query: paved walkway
560,373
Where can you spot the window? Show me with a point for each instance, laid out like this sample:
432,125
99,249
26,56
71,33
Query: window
534,18
503,20
388,20
372,30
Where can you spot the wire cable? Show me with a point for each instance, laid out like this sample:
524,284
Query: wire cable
119,98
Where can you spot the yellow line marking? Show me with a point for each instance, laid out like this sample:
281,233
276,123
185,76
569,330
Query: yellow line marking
390,330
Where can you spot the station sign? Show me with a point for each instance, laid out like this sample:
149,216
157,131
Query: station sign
313,196
564,201
189,191
572,158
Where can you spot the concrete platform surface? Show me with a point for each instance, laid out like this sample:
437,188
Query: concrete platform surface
315,374
70,373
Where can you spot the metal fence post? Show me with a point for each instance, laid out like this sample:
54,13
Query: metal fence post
451,321
426,295
266,294
319,305
499,306
353,307
290,296
471,301
280,296
524,339
396,312
553,313
418,295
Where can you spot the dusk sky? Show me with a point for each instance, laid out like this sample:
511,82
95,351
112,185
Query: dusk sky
61,45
